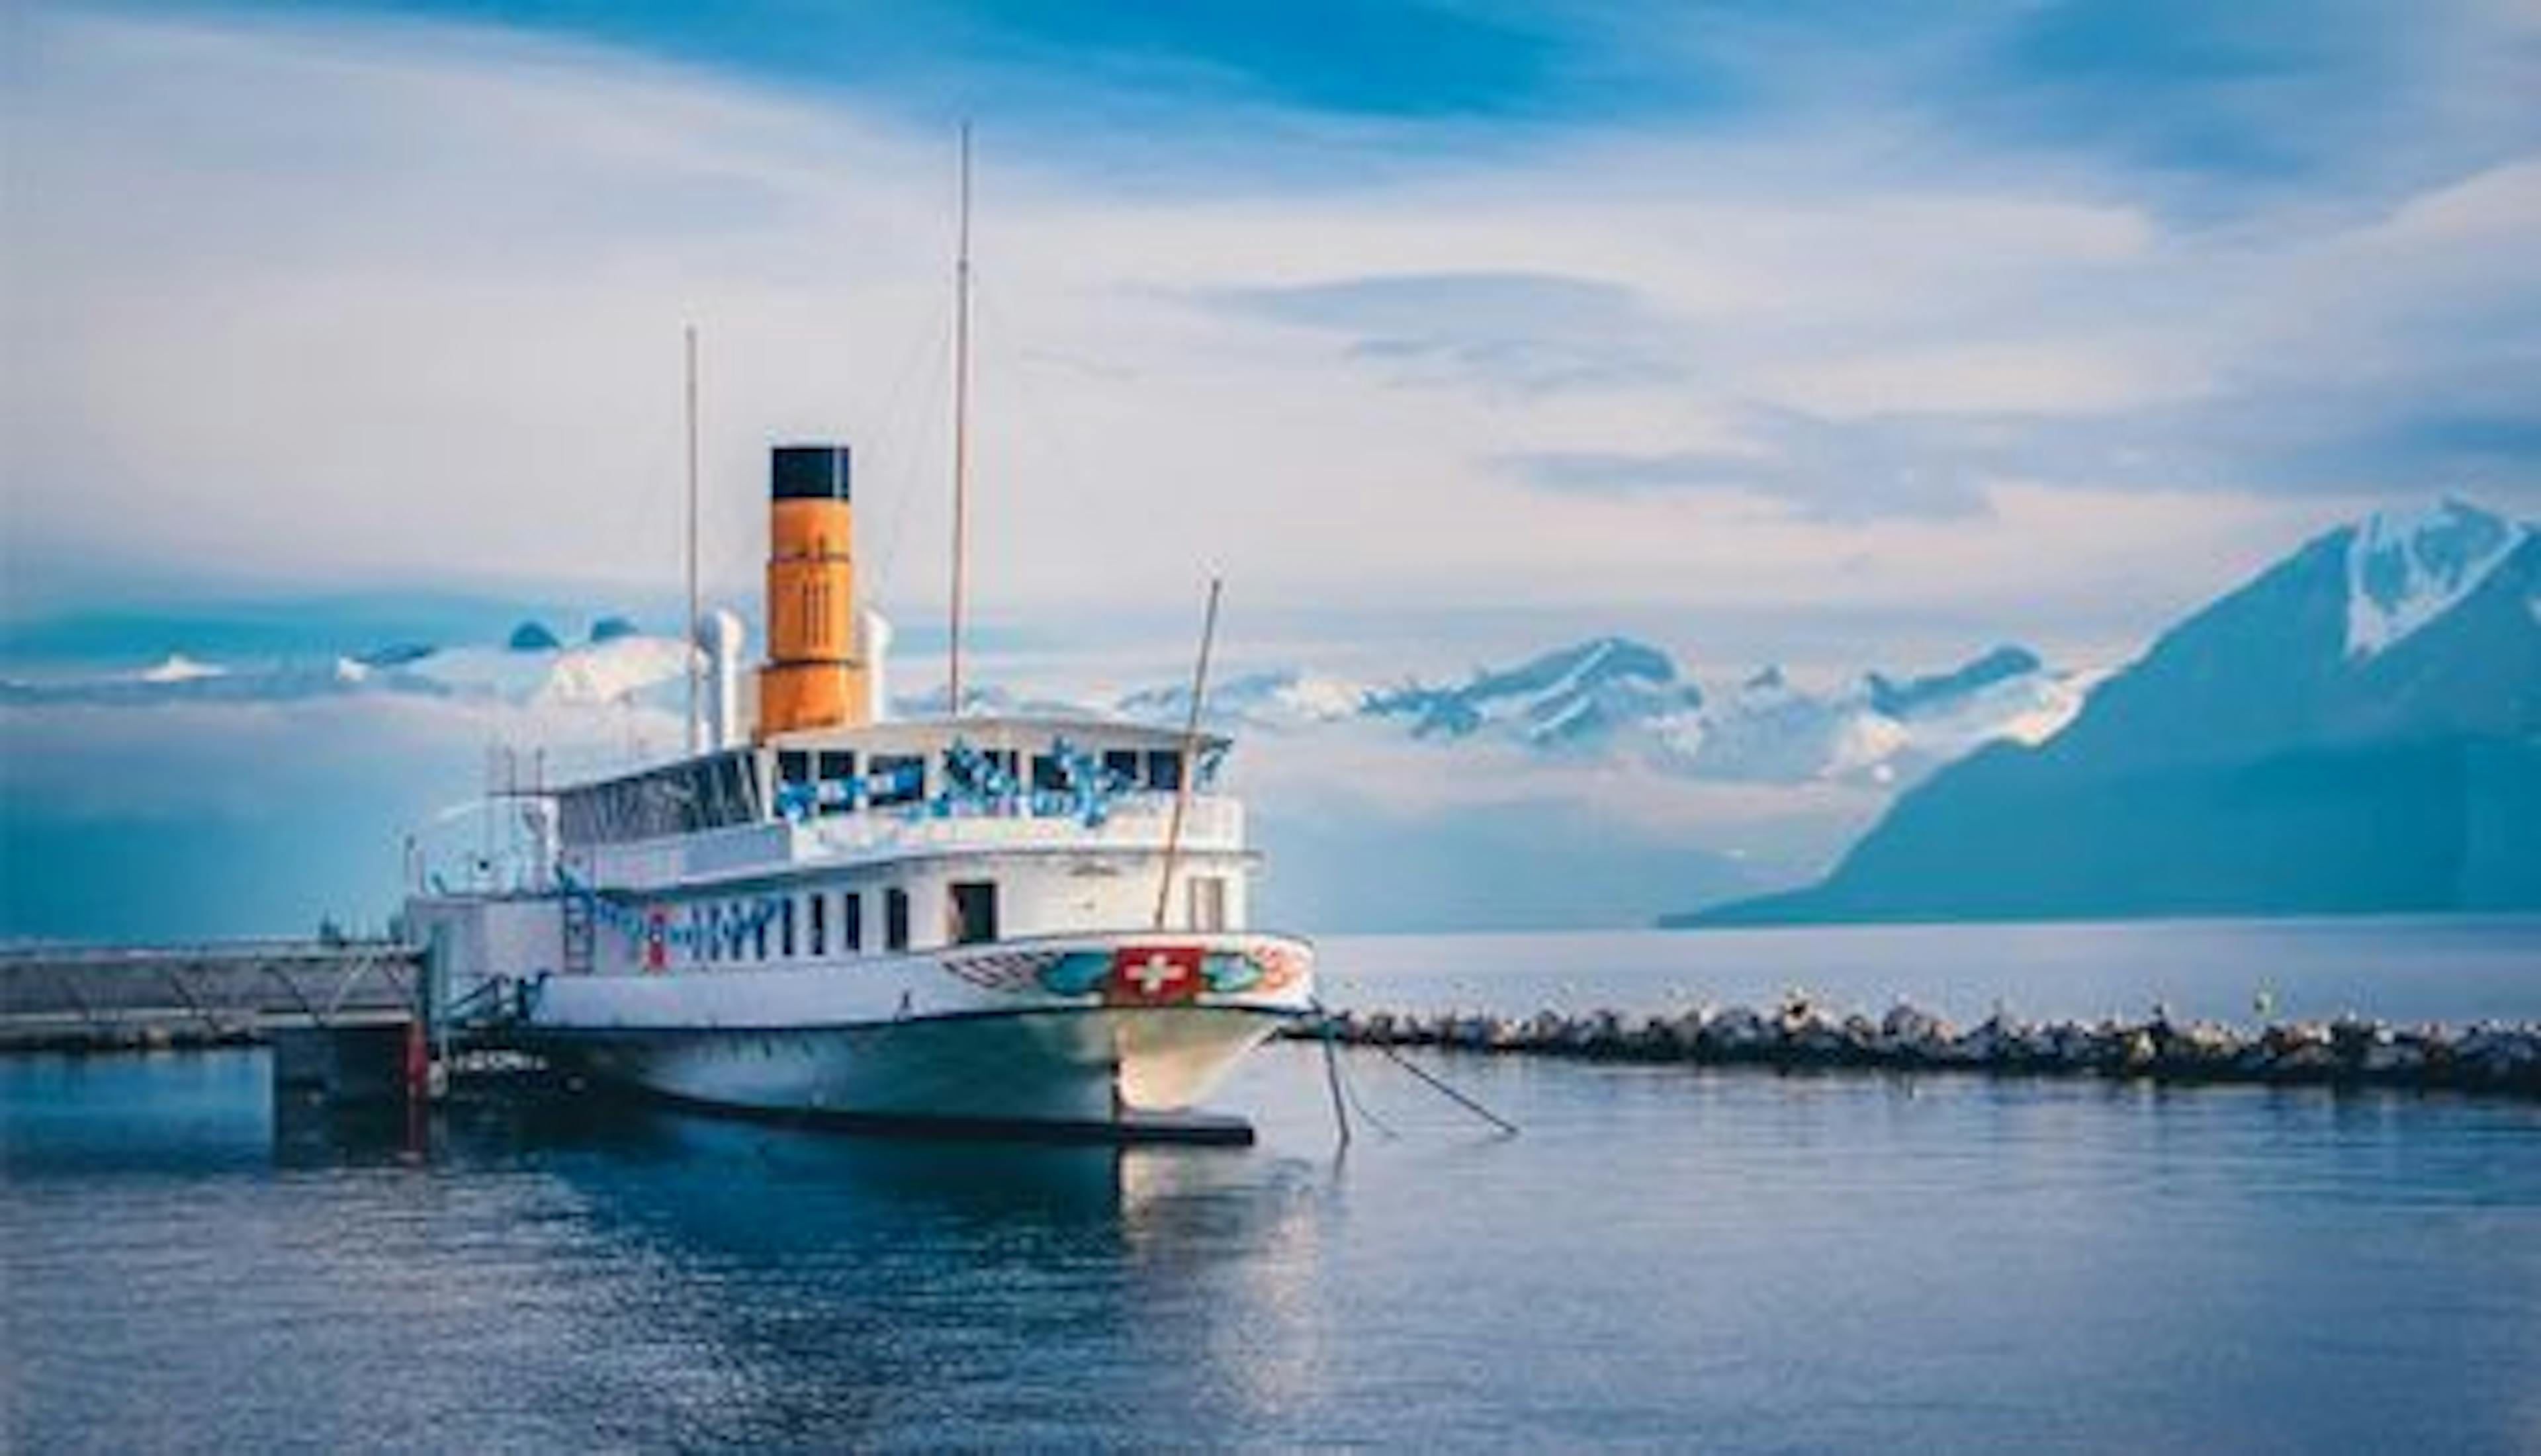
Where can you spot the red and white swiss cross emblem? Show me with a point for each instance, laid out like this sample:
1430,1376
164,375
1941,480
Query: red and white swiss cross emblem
1153,975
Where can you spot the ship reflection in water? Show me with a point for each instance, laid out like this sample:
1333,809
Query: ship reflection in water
791,1285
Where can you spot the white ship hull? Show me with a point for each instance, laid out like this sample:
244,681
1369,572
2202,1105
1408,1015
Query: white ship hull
1071,1068
1087,1031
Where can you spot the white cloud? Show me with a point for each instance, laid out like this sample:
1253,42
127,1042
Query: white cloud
340,303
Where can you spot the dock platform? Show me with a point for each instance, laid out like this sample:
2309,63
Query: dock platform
99,997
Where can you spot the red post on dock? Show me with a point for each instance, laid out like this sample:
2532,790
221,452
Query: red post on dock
418,1065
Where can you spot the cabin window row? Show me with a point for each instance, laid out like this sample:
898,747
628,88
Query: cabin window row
831,780
812,926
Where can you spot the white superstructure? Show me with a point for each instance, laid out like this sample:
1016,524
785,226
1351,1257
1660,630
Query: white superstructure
943,918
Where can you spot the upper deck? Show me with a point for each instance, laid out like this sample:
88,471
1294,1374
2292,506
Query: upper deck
897,789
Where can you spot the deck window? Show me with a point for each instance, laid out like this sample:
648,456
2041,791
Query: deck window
971,912
851,920
793,766
897,778
758,937
786,928
1121,767
838,774
894,919
1165,769
818,907
1049,774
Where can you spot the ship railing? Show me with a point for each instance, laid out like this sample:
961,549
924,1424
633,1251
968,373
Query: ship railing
1134,821
1138,821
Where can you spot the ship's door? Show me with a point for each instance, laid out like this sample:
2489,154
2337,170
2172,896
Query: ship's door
1208,894
973,907
579,933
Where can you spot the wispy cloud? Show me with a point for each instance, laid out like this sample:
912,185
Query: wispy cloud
1817,469
1500,332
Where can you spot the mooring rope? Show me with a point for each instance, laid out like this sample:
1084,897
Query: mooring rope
1332,1074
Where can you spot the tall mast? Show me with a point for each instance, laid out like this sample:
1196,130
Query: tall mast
961,430
695,729
1191,759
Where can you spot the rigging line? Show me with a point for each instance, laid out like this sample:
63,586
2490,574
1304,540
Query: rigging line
1035,413
697,731
961,441
1191,756
925,357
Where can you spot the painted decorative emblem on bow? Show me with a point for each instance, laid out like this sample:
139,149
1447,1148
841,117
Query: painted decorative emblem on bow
1153,975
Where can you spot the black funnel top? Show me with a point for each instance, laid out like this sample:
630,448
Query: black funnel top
808,472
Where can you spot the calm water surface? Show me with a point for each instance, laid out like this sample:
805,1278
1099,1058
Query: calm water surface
2411,969
1666,1258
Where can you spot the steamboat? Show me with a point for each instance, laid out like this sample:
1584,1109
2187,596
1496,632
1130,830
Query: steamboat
977,921
1028,921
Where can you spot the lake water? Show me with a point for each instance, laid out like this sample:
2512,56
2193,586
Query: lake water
2401,969
1726,1260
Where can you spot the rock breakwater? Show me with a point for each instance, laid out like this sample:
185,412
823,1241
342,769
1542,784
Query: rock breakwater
2488,1056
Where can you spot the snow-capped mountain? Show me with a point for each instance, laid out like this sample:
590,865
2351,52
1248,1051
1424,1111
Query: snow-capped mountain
2406,569
615,664
1285,698
2358,728
1614,698
1608,699
176,667
1574,699
611,670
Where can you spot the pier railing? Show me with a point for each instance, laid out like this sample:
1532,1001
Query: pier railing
76,995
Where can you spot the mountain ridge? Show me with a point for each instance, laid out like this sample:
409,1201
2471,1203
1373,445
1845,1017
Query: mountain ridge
2261,757
1602,699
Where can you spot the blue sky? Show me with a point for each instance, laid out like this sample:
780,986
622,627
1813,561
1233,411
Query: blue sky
1843,336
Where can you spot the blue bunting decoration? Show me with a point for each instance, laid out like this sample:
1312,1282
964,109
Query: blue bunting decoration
796,801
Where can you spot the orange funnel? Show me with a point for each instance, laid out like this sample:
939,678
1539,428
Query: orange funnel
813,678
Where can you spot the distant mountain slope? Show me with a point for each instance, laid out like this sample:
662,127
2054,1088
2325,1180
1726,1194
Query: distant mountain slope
1616,700
1578,697
2357,730
1606,699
